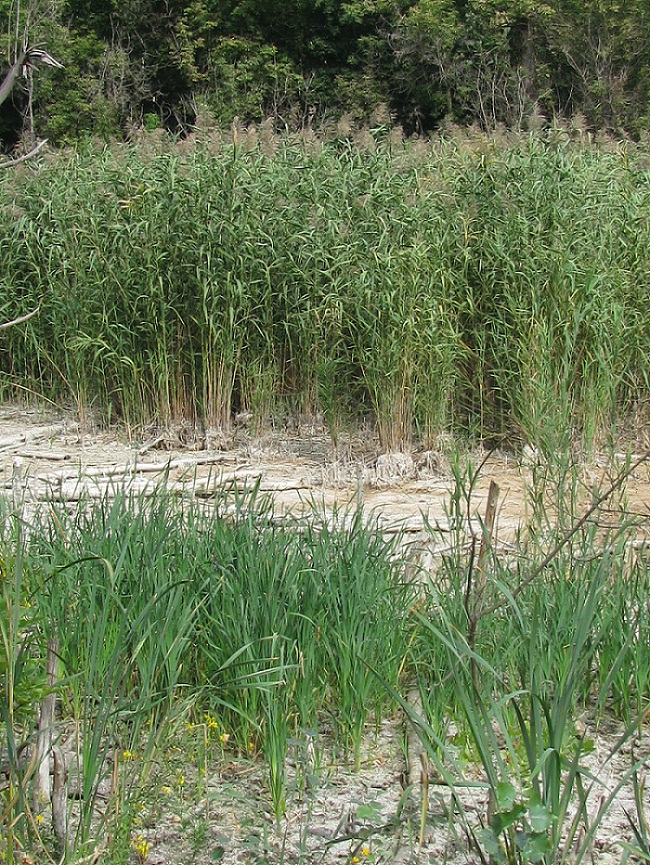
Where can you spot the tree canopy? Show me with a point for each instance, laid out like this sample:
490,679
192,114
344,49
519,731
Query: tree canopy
148,63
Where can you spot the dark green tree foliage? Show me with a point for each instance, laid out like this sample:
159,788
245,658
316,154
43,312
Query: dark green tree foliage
143,60
134,63
602,52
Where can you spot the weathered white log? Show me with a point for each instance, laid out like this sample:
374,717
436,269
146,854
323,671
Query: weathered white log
18,483
98,488
60,799
211,489
185,462
151,444
37,434
41,793
54,456
135,468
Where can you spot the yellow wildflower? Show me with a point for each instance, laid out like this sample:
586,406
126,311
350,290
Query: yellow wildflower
142,847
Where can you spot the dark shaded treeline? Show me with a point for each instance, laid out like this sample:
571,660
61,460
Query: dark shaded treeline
171,63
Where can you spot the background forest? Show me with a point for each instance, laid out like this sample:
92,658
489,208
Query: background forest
309,63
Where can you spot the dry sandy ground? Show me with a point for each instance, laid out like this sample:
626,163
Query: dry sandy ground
47,456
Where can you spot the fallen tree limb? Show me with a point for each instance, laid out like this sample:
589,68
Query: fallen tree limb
28,315
54,456
30,436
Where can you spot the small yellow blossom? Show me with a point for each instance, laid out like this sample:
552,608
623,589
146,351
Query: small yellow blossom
355,860
129,755
166,790
142,847
211,722
39,818
180,779
365,851
224,738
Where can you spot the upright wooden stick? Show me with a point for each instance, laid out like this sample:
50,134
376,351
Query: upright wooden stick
41,793
476,597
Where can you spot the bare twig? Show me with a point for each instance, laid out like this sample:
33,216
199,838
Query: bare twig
21,318
8,164
564,540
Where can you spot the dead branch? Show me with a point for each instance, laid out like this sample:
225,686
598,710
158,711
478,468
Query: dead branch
27,316
7,164
618,482
28,58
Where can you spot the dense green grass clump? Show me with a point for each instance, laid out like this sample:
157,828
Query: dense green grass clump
439,287
164,612
510,668
307,635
